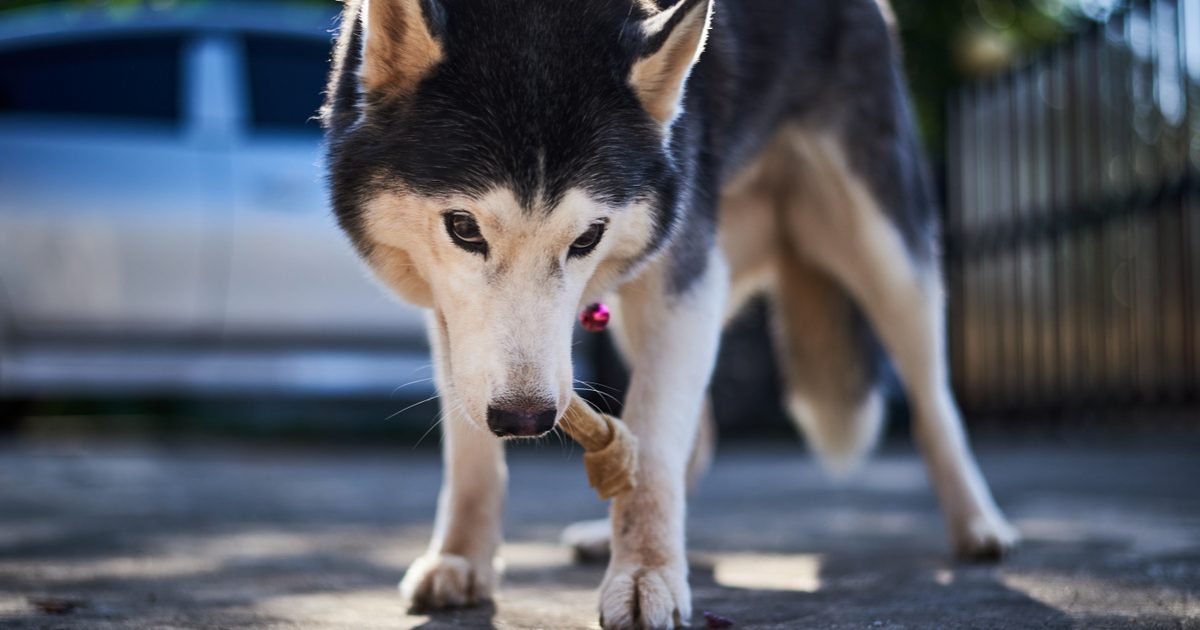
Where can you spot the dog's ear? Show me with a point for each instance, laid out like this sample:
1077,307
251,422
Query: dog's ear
402,43
674,38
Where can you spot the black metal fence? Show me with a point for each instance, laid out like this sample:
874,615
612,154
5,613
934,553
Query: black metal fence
1073,222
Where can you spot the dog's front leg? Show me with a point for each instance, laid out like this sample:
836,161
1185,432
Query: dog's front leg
672,336
459,567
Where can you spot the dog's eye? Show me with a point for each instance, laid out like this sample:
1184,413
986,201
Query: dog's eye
464,231
588,240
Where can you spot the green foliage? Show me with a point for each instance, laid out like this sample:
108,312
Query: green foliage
947,42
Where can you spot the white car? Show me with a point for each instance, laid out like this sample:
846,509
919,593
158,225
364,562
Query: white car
163,219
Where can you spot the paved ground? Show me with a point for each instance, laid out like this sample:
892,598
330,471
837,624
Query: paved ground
136,537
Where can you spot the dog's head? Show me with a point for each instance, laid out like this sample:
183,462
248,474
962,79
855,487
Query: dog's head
503,162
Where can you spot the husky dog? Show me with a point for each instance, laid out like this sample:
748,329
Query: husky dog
504,162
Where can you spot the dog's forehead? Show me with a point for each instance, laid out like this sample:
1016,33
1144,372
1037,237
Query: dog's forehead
529,26
530,95
573,210
498,208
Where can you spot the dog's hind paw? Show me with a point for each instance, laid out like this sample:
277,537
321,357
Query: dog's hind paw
985,538
644,598
589,540
437,581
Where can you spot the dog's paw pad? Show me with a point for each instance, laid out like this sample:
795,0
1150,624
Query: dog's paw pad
640,597
986,539
437,581
588,540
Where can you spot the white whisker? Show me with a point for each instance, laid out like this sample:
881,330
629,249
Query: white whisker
412,382
418,403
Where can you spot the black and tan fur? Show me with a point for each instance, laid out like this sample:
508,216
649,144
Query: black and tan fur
728,147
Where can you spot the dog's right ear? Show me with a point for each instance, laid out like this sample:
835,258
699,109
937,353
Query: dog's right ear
673,40
401,43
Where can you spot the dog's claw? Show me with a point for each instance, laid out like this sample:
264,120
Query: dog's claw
439,581
644,598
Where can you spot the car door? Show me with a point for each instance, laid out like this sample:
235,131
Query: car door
106,222
293,276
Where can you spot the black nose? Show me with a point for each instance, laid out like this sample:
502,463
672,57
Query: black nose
521,419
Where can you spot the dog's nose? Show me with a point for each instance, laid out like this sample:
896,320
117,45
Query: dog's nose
522,419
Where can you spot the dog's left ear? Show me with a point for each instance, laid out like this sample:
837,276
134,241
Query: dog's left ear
674,39
401,43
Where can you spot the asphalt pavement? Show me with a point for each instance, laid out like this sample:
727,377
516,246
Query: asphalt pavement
142,536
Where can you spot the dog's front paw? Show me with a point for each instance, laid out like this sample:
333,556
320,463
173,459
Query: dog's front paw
984,537
645,597
435,581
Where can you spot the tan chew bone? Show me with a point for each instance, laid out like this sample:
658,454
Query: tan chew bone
610,450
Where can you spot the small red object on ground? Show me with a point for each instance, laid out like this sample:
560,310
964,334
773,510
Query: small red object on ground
57,605
595,317
713,620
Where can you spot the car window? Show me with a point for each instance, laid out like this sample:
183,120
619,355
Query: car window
132,78
286,77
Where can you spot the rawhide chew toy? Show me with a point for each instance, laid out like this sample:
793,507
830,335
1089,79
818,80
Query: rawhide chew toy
610,450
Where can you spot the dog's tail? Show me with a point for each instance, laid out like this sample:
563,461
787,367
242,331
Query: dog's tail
833,366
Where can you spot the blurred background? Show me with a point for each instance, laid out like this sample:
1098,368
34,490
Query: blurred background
169,267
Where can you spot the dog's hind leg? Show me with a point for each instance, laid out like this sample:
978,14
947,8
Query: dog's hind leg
827,353
846,229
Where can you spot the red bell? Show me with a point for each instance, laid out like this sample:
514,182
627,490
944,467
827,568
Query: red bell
595,317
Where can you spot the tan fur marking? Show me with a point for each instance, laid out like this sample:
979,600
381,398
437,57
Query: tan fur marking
398,260
399,48
658,79
749,226
828,392
630,233
396,269
649,7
